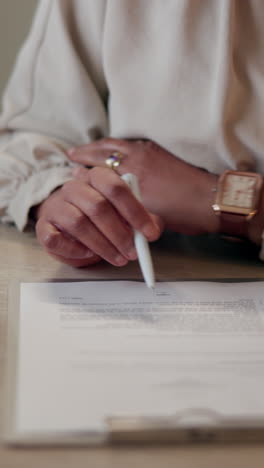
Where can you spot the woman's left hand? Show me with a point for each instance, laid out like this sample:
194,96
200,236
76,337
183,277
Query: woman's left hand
181,194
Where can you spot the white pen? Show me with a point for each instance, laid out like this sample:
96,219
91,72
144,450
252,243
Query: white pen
141,243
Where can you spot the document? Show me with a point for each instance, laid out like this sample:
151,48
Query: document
87,351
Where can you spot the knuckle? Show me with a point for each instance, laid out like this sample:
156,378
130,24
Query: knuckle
93,173
77,222
108,140
96,172
81,173
116,190
67,188
51,240
98,208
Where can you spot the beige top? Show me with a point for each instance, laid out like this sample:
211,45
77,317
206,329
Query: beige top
188,74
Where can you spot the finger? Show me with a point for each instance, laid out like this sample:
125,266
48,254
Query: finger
114,189
56,242
159,221
97,152
81,173
101,145
75,223
103,215
77,263
84,175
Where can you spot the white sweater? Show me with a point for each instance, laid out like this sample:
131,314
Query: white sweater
188,74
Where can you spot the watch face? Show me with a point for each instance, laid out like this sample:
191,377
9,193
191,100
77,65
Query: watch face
239,191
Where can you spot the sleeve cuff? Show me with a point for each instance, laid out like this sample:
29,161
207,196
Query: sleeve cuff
34,191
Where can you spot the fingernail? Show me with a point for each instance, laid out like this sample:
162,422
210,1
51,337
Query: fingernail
89,254
132,254
120,261
150,230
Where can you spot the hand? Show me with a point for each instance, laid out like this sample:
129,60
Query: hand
90,219
179,193
256,224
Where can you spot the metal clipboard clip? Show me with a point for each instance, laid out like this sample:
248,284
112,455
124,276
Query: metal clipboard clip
194,425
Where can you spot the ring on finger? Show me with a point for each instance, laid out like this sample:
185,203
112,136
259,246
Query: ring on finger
114,160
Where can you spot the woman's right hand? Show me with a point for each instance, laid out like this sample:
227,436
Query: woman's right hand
90,219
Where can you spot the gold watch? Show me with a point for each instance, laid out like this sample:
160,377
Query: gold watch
237,200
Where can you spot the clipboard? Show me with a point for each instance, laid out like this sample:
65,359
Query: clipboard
189,425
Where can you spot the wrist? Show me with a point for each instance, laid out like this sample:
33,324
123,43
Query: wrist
208,189
256,224
192,203
204,193
237,203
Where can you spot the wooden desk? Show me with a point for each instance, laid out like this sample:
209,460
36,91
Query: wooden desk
175,257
